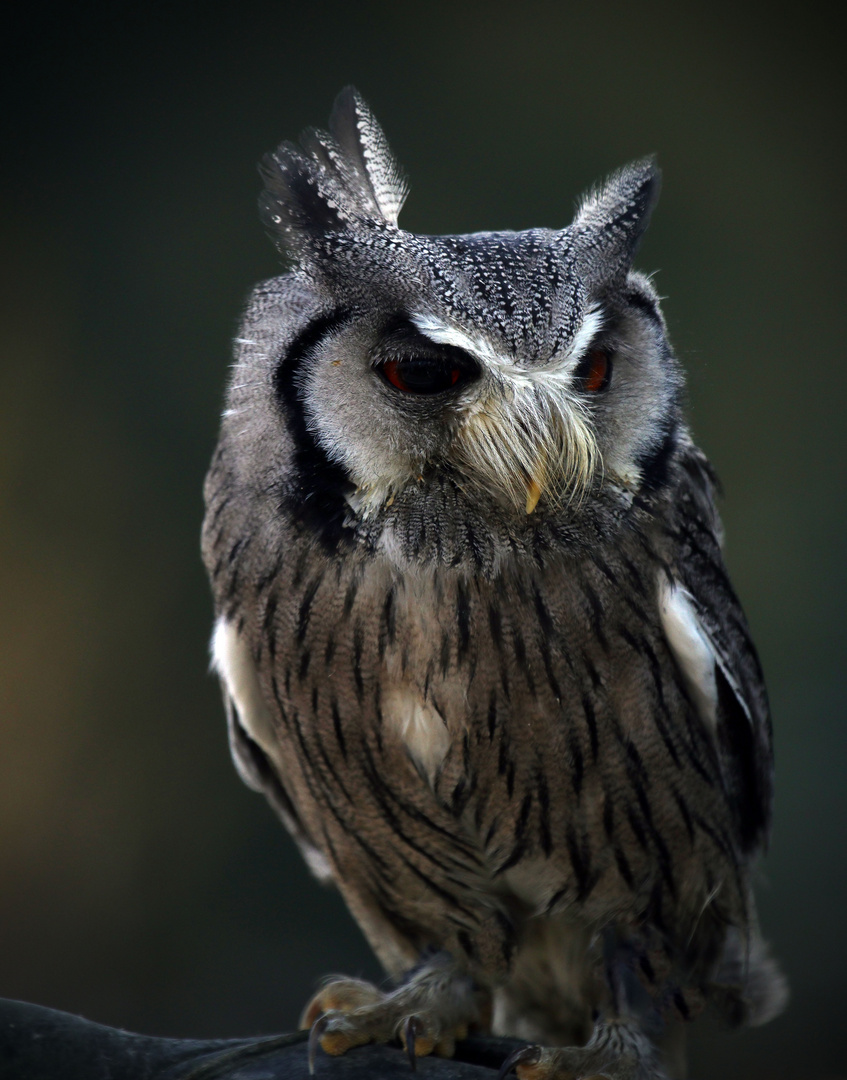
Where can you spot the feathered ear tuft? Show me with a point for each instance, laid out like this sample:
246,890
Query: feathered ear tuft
365,147
614,215
333,181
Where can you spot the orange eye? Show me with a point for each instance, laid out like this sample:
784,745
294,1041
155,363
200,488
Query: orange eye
420,374
595,371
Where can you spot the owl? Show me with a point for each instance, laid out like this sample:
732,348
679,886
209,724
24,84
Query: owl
477,641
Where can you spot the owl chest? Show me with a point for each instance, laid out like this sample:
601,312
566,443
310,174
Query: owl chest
380,659
466,684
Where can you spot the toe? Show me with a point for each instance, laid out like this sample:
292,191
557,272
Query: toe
335,1035
524,1058
339,995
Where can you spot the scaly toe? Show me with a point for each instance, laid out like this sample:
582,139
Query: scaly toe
616,1051
336,1034
339,995
523,1059
538,1063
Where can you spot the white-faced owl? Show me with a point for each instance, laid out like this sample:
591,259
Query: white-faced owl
478,643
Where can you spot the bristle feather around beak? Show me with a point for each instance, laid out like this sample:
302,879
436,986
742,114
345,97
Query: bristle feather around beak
528,440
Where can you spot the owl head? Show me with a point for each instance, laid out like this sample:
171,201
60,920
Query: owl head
524,371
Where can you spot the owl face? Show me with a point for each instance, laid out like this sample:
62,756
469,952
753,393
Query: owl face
530,369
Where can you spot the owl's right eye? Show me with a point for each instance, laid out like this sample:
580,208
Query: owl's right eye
421,374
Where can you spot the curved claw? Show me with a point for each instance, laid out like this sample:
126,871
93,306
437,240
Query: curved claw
317,1029
526,1055
411,1029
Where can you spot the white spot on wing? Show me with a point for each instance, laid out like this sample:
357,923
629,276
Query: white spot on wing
420,726
232,660
691,648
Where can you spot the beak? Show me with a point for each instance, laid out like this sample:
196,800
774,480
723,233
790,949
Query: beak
533,494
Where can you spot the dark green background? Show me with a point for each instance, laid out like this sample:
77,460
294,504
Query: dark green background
140,883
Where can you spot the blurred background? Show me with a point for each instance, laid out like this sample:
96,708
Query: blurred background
140,883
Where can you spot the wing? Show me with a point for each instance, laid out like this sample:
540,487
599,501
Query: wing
252,737
709,637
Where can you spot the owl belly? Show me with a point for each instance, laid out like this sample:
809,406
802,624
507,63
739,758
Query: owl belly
474,756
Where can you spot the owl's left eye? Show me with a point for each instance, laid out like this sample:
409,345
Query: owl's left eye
421,374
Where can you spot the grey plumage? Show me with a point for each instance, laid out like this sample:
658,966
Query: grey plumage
477,638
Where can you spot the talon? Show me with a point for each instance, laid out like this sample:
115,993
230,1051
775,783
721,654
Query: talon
313,1011
526,1055
317,1029
411,1029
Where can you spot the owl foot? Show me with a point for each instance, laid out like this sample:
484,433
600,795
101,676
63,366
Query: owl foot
427,1013
617,1050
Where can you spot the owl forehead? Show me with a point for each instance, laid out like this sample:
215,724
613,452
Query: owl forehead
519,290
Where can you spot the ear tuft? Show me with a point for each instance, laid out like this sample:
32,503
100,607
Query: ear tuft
333,181
614,215
364,145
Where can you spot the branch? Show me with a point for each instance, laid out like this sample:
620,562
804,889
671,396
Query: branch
44,1044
